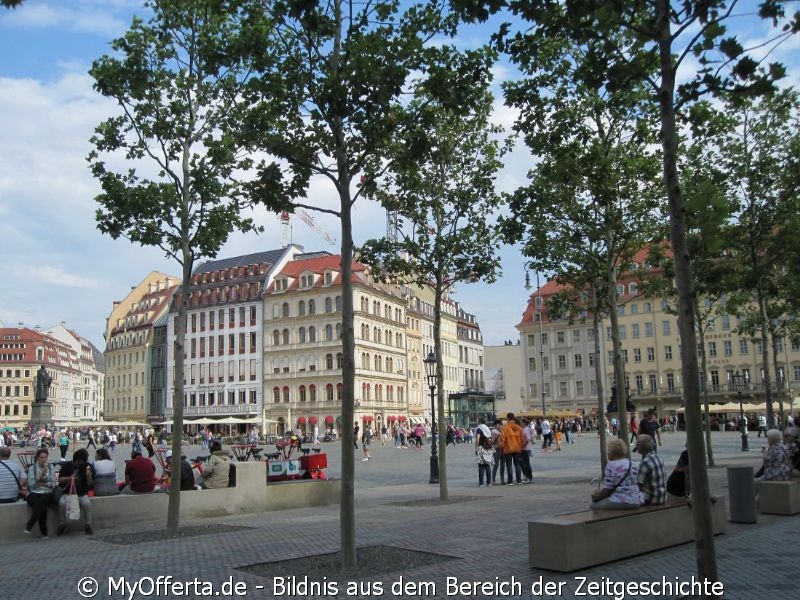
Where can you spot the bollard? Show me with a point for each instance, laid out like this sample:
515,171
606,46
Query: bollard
742,495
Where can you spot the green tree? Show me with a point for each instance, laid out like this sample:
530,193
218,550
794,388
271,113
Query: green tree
177,189
332,93
595,191
758,153
445,200
660,36
12,3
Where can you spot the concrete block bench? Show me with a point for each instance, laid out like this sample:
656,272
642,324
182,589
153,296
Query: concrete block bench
779,497
575,541
251,494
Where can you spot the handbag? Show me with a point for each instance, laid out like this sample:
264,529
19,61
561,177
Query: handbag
598,497
73,504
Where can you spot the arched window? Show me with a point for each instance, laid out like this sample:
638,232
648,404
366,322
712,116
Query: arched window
276,309
367,363
339,388
301,308
286,393
285,310
364,304
379,393
301,364
365,332
390,393
338,331
329,392
312,309
387,311
312,393
329,361
377,362
338,303
312,334
286,336
276,394
312,362
339,360
376,334
400,395
276,338
328,332
302,393
633,289
301,335
328,305
398,340
388,337
389,365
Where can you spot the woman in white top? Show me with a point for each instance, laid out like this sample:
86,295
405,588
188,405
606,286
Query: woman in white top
105,474
619,490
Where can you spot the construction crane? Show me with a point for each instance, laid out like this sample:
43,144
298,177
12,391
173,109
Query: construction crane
286,228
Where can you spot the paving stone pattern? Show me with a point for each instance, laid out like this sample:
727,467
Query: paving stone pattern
485,539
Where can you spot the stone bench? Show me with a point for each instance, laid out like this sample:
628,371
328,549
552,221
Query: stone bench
251,494
779,497
575,541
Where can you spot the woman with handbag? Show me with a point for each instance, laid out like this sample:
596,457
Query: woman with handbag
619,489
41,478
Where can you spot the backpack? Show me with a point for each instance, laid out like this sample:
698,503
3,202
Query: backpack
486,441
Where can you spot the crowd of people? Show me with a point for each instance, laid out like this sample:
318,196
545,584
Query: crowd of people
59,483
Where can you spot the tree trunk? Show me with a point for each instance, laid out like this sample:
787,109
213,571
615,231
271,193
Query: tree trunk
780,386
619,365
701,498
704,370
441,438
347,517
598,375
766,379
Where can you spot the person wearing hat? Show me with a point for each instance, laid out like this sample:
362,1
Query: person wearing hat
140,474
218,467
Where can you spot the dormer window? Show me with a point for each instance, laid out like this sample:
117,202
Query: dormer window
328,277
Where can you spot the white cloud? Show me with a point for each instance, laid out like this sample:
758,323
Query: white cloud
100,17
57,276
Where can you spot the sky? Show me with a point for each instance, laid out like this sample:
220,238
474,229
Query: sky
58,267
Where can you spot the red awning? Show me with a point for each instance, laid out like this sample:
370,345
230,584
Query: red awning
329,419
368,417
391,418
301,420
402,418
312,420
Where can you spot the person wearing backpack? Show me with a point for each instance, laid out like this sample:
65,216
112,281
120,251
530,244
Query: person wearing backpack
484,450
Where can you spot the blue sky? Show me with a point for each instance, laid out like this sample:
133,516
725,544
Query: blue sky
58,267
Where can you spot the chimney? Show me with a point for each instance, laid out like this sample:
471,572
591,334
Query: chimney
20,325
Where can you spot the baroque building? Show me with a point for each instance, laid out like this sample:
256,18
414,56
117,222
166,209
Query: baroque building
224,336
129,338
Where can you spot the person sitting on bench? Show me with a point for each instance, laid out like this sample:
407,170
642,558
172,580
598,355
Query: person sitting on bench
619,489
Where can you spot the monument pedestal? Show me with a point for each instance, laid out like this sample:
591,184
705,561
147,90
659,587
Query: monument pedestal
41,413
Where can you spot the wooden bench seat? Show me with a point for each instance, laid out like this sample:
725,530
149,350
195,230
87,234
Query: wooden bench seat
779,497
574,541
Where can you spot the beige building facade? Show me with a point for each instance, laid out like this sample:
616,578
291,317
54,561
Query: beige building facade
129,337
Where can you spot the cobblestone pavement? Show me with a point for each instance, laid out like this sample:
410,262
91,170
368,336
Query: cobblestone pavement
487,535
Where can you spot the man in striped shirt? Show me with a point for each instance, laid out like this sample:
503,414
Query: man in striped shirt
651,479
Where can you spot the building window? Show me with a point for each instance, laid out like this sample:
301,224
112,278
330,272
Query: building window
329,392
635,330
665,327
712,349
312,310
578,361
329,361
668,352
302,393
312,393
743,346
562,361
651,354
285,310
286,394
637,355
560,337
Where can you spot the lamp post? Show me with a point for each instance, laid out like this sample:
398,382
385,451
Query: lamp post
430,374
738,382
541,338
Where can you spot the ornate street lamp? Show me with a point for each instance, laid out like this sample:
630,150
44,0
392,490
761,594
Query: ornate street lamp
430,374
739,383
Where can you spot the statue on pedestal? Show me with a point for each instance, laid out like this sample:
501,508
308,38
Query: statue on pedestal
43,381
